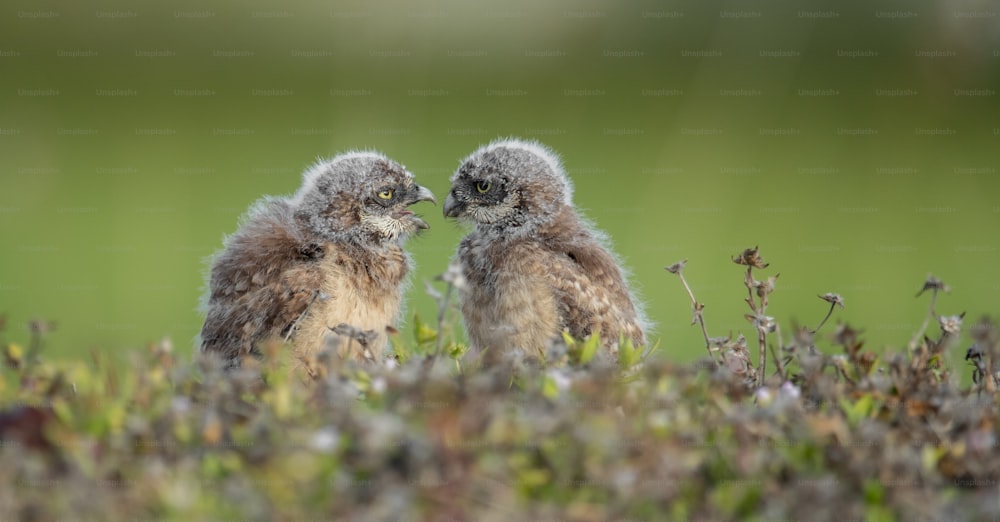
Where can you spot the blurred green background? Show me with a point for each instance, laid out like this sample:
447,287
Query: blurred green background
857,143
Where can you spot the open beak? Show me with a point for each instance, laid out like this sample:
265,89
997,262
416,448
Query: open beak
422,194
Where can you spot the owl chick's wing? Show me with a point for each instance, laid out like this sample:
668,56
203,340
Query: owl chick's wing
591,290
263,280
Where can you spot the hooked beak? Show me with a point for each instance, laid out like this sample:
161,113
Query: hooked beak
423,194
452,208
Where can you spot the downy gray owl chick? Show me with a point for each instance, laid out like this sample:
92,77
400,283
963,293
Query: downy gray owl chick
328,257
533,267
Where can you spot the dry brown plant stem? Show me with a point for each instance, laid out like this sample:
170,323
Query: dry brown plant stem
696,307
761,333
915,341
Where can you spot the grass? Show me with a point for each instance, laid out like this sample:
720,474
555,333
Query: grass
832,431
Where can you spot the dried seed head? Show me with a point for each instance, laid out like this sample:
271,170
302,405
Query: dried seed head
832,298
935,284
716,343
453,275
737,358
363,337
985,332
844,335
750,257
765,287
763,323
676,267
804,337
951,324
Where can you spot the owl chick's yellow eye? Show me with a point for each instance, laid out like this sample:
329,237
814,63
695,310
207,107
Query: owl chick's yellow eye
483,187
385,194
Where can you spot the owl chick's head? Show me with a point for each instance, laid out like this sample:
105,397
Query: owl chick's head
510,184
359,196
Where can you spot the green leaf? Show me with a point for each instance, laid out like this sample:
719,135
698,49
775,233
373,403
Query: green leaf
874,492
858,410
930,455
423,332
549,388
14,355
589,348
628,354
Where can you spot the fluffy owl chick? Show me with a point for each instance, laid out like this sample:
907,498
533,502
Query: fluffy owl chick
533,268
326,261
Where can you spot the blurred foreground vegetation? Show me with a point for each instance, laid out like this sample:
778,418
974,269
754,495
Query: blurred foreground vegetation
835,431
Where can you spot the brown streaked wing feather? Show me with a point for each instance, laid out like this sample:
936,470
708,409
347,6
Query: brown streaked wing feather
260,284
592,291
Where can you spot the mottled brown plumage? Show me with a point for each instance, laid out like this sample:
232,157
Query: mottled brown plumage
328,257
532,267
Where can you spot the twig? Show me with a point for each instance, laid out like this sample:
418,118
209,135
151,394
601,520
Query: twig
777,362
934,285
761,333
751,259
696,307
835,300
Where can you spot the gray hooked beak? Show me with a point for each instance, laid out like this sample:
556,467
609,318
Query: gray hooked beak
423,194
453,208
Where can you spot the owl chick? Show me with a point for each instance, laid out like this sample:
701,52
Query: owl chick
533,268
324,263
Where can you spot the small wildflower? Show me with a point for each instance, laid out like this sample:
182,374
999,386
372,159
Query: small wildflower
560,379
325,440
951,324
790,390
